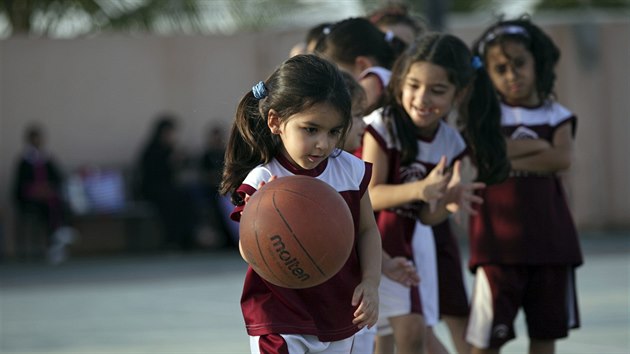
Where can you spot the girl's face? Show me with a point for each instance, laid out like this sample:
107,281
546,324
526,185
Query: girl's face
355,134
427,96
308,137
512,70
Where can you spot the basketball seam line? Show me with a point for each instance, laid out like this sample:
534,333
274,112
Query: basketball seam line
262,256
295,236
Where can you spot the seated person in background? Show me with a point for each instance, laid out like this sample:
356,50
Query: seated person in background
211,170
37,195
159,167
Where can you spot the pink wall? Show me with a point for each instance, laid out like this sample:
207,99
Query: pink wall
98,97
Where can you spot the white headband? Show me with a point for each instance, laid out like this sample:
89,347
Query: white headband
502,30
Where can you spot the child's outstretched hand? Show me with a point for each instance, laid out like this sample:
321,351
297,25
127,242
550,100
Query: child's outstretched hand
460,192
366,297
401,270
435,184
260,185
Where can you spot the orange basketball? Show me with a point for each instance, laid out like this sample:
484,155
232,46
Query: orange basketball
296,232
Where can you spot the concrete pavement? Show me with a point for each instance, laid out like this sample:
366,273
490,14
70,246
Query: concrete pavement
175,303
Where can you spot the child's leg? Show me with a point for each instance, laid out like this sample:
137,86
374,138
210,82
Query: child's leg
457,327
384,344
399,315
433,343
409,333
475,350
542,346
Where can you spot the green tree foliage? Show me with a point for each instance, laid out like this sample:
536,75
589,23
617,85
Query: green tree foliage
56,17
582,4
71,18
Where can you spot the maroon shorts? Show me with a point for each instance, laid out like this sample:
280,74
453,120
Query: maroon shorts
545,293
452,291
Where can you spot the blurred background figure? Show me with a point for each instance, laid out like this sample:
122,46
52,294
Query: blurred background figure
41,218
211,169
397,18
362,49
313,35
159,170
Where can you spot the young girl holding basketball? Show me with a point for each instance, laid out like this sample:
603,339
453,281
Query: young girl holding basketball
410,146
294,123
524,245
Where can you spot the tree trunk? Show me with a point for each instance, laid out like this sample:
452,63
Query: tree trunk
19,14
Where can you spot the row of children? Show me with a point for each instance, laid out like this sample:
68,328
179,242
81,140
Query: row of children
445,133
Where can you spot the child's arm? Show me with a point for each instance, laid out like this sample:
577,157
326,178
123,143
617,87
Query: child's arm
459,195
556,158
385,195
400,269
369,246
525,147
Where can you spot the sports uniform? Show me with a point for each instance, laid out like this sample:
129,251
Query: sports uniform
380,72
400,228
322,313
524,244
382,75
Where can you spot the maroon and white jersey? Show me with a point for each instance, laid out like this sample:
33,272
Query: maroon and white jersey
325,310
397,224
525,219
383,74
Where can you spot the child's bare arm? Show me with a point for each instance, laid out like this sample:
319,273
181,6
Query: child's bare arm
556,158
517,148
365,295
386,195
400,269
459,196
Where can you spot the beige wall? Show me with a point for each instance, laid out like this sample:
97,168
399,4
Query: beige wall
98,97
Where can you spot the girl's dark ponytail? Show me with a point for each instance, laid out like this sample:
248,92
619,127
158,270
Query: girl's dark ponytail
482,130
250,144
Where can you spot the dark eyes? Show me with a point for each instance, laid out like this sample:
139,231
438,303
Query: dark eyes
517,63
500,69
335,132
311,131
412,86
434,90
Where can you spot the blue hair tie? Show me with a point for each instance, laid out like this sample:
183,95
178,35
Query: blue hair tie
389,36
476,63
259,90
